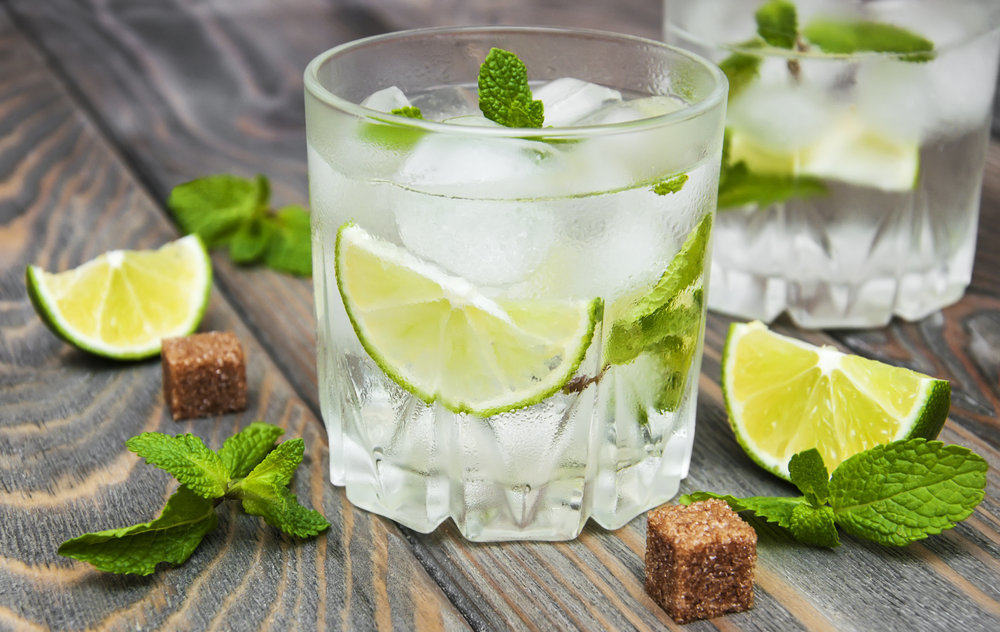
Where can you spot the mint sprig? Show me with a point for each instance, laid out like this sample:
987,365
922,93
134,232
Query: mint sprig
504,94
234,212
892,494
247,468
777,23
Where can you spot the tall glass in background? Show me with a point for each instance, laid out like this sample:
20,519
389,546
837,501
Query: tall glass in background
583,243
856,147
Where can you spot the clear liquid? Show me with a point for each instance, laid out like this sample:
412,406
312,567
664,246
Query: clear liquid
538,472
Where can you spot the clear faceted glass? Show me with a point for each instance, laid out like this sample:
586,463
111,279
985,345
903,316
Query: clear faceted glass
897,145
513,219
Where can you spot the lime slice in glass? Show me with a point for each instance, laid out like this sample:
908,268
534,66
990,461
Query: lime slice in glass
124,302
848,152
784,396
440,338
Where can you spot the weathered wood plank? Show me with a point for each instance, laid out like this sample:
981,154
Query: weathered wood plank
65,196
229,99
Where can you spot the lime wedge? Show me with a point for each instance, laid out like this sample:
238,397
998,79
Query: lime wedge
440,338
784,396
848,152
122,303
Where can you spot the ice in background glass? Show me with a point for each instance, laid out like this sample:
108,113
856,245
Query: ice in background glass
883,151
577,229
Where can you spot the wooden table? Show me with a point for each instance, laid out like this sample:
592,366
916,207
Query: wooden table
104,107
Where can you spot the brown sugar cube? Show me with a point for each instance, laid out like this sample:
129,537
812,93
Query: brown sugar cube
700,560
204,375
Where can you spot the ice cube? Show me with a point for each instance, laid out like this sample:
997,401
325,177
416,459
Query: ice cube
462,166
633,110
568,100
783,118
487,242
386,100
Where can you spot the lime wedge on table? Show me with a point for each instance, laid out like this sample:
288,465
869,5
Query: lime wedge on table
440,338
847,152
785,396
122,303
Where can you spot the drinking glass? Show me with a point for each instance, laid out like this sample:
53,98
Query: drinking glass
510,320
857,135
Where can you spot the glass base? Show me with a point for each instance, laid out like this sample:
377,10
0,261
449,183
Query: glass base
817,304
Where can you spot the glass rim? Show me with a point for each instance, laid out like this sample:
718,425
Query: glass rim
713,99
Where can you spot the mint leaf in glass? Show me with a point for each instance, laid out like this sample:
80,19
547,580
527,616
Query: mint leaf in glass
777,23
171,537
843,37
409,111
741,70
670,185
672,307
504,93
904,491
738,186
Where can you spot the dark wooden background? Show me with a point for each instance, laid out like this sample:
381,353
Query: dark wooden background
105,105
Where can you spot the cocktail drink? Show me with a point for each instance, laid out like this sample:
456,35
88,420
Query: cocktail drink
856,142
510,319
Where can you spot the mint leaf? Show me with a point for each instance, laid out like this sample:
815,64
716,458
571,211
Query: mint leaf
278,466
216,206
808,472
906,490
409,111
844,37
248,447
171,537
739,187
814,525
231,211
774,509
777,23
741,70
670,185
671,307
290,246
264,493
249,243
279,508
504,94
186,458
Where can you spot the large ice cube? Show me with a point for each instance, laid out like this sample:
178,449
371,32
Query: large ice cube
488,242
568,100
478,167
633,110
783,117
386,100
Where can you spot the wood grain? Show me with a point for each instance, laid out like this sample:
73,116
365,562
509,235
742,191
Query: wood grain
66,197
168,91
